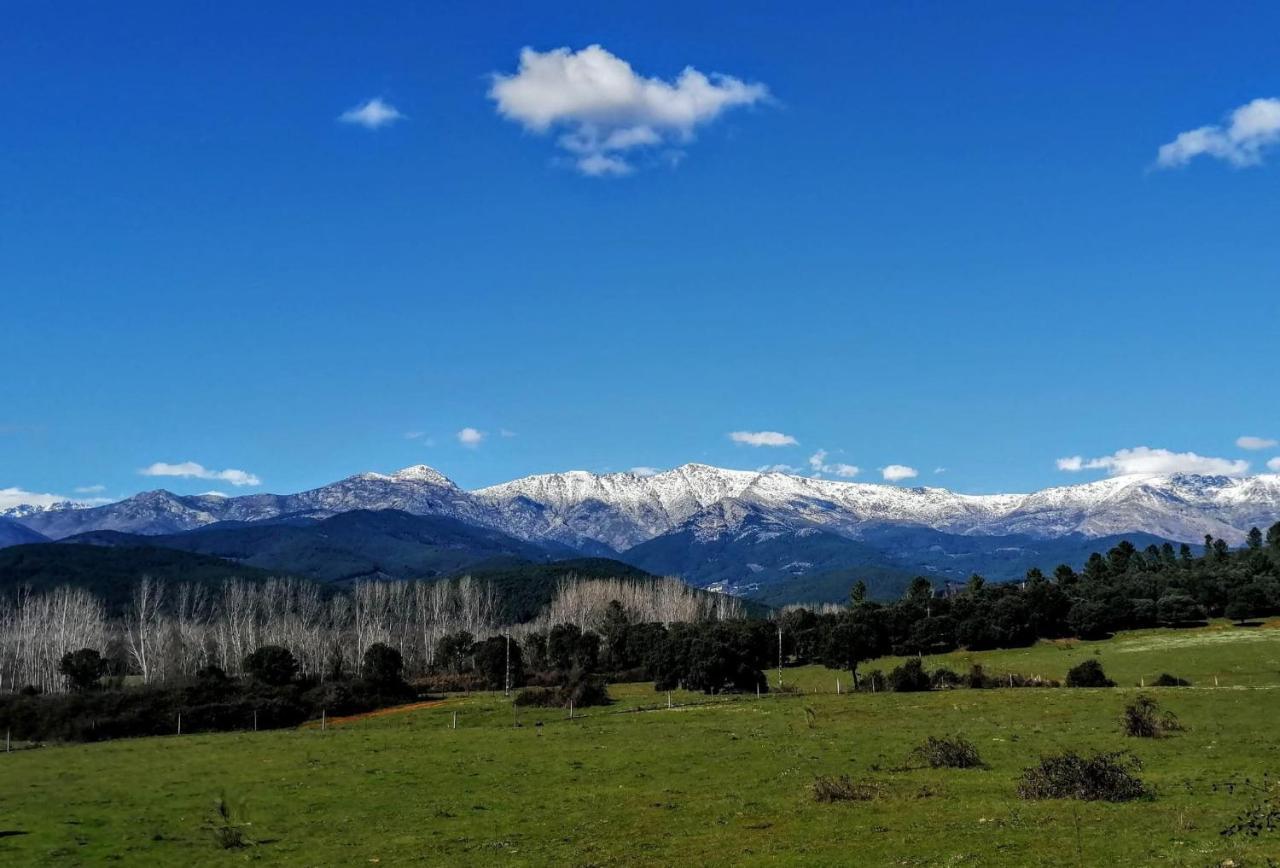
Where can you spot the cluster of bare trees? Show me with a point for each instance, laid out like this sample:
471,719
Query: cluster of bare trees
173,631
666,601
37,629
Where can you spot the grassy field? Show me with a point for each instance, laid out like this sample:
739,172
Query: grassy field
724,781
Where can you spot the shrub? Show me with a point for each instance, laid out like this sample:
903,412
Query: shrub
582,690
1142,719
873,682
830,788
539,697
272,664
1107,777
82,668
944,677
1167,680
948,752
585,689
382,665
450,682
910,677
211,673
1088,674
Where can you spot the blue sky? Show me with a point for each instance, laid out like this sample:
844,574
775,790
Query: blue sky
943,240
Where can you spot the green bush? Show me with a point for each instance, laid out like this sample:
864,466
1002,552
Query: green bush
383,665
910,677
82,668
1167,680
272,664
1088,674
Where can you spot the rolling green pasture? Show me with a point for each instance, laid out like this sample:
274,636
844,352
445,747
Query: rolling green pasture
717,782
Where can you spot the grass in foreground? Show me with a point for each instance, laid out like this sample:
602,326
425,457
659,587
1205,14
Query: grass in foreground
725,782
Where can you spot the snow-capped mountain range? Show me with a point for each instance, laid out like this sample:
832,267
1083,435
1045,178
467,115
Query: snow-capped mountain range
616,511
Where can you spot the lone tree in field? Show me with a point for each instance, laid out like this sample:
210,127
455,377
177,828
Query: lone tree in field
82,668
857,637
383,666
272,664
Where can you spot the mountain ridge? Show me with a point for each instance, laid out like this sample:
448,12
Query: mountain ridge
602,513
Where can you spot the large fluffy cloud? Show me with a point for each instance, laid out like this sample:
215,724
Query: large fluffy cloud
1157,462
605,112
1274,464
1248,131
762,438
192,470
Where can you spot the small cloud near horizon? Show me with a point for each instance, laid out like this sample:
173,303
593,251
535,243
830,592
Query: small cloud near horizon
643,471
898,472
818,464
471,437
1255,443
762,438
193,470
371,114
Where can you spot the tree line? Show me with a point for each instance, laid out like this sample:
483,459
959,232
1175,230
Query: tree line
662,631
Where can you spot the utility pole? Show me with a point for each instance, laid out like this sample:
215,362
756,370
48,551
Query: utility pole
779,654
507,690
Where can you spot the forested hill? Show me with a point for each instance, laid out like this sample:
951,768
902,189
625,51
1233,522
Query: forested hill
111,573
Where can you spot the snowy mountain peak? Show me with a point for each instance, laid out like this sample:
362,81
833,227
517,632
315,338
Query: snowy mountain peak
620,510
422,473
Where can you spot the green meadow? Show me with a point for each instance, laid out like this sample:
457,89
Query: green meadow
710,780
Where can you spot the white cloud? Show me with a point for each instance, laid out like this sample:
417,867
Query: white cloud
1249,130
372,114
896,472
1248,442
777,468
818,464
470,437
1158,462
1274,464
643,471
503,432
762,438
11,497
90,489
939,470
215,494
607,112
192,470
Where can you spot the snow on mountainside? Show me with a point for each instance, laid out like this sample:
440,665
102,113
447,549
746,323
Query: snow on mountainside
621,510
